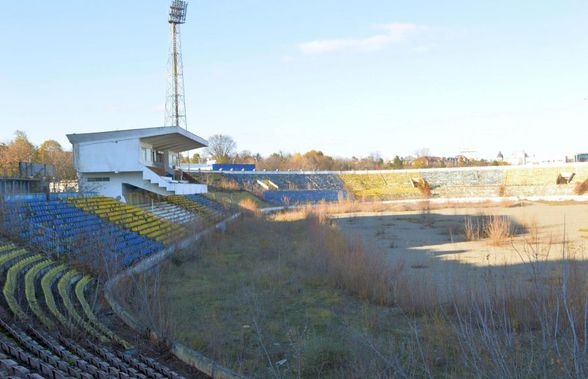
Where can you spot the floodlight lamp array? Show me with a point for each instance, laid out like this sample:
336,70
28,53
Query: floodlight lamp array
177,12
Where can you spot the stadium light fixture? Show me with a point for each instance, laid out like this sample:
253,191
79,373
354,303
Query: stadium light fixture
177,12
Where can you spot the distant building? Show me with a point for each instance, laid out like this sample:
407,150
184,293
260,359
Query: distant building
116,163
518,158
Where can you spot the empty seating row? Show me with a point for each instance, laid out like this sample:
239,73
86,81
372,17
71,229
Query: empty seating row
288,181
382,186
56,295
169,211
200,205
49,290
31,353
59,227
133,218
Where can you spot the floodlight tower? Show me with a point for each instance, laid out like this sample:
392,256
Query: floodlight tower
175,104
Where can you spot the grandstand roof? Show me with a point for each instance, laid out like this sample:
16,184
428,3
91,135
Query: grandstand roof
165,138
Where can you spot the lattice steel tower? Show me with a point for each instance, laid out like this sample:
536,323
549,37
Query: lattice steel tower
175,103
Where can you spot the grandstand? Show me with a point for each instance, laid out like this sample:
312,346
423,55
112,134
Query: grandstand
463,182
288,188
129,217
382,185
60,227
60,243
208,209
39,290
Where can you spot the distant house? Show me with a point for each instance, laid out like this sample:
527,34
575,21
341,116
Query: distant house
118,162
429,162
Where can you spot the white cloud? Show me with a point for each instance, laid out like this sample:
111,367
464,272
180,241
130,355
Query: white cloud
391,34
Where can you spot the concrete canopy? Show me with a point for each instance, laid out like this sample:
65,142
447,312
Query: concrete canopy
166,138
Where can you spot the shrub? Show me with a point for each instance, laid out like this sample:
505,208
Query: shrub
346,263
249,205
228,185
581,188
424,187
496,228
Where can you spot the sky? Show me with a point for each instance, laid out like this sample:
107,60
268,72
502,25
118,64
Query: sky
349,78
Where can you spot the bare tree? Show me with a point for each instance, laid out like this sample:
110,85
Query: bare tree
422,152
221,148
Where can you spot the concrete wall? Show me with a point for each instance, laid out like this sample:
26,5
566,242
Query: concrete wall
108,156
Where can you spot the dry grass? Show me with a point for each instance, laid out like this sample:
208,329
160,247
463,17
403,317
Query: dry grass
581,188
346,206
228,185
497,229
283,285
347,264
249,205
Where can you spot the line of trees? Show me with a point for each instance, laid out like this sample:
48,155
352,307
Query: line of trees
20,149
223,149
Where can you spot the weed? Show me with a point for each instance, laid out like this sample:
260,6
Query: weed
581,188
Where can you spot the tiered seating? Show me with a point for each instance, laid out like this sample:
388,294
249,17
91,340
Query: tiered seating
532,176
525,181
378,186
25,272
53,293
468,183
200,205
62,228
132,218
326,182
288,181
169,212
30,353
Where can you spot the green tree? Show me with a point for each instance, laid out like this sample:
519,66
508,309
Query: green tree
397,163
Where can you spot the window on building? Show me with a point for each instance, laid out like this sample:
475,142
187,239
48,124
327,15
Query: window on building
146,154
99,179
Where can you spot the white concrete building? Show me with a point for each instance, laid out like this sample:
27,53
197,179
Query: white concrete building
117,163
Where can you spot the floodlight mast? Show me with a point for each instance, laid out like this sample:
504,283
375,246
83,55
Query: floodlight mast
175,105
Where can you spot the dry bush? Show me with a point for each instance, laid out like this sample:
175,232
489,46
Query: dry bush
502,325
424,187
502,190
498,229
581,188
471,229
296,214
249,205
228,185
347,264
146,299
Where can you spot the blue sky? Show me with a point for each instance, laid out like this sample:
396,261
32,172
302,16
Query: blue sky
345,77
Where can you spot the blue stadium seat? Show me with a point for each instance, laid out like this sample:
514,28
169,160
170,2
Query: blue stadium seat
57,226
